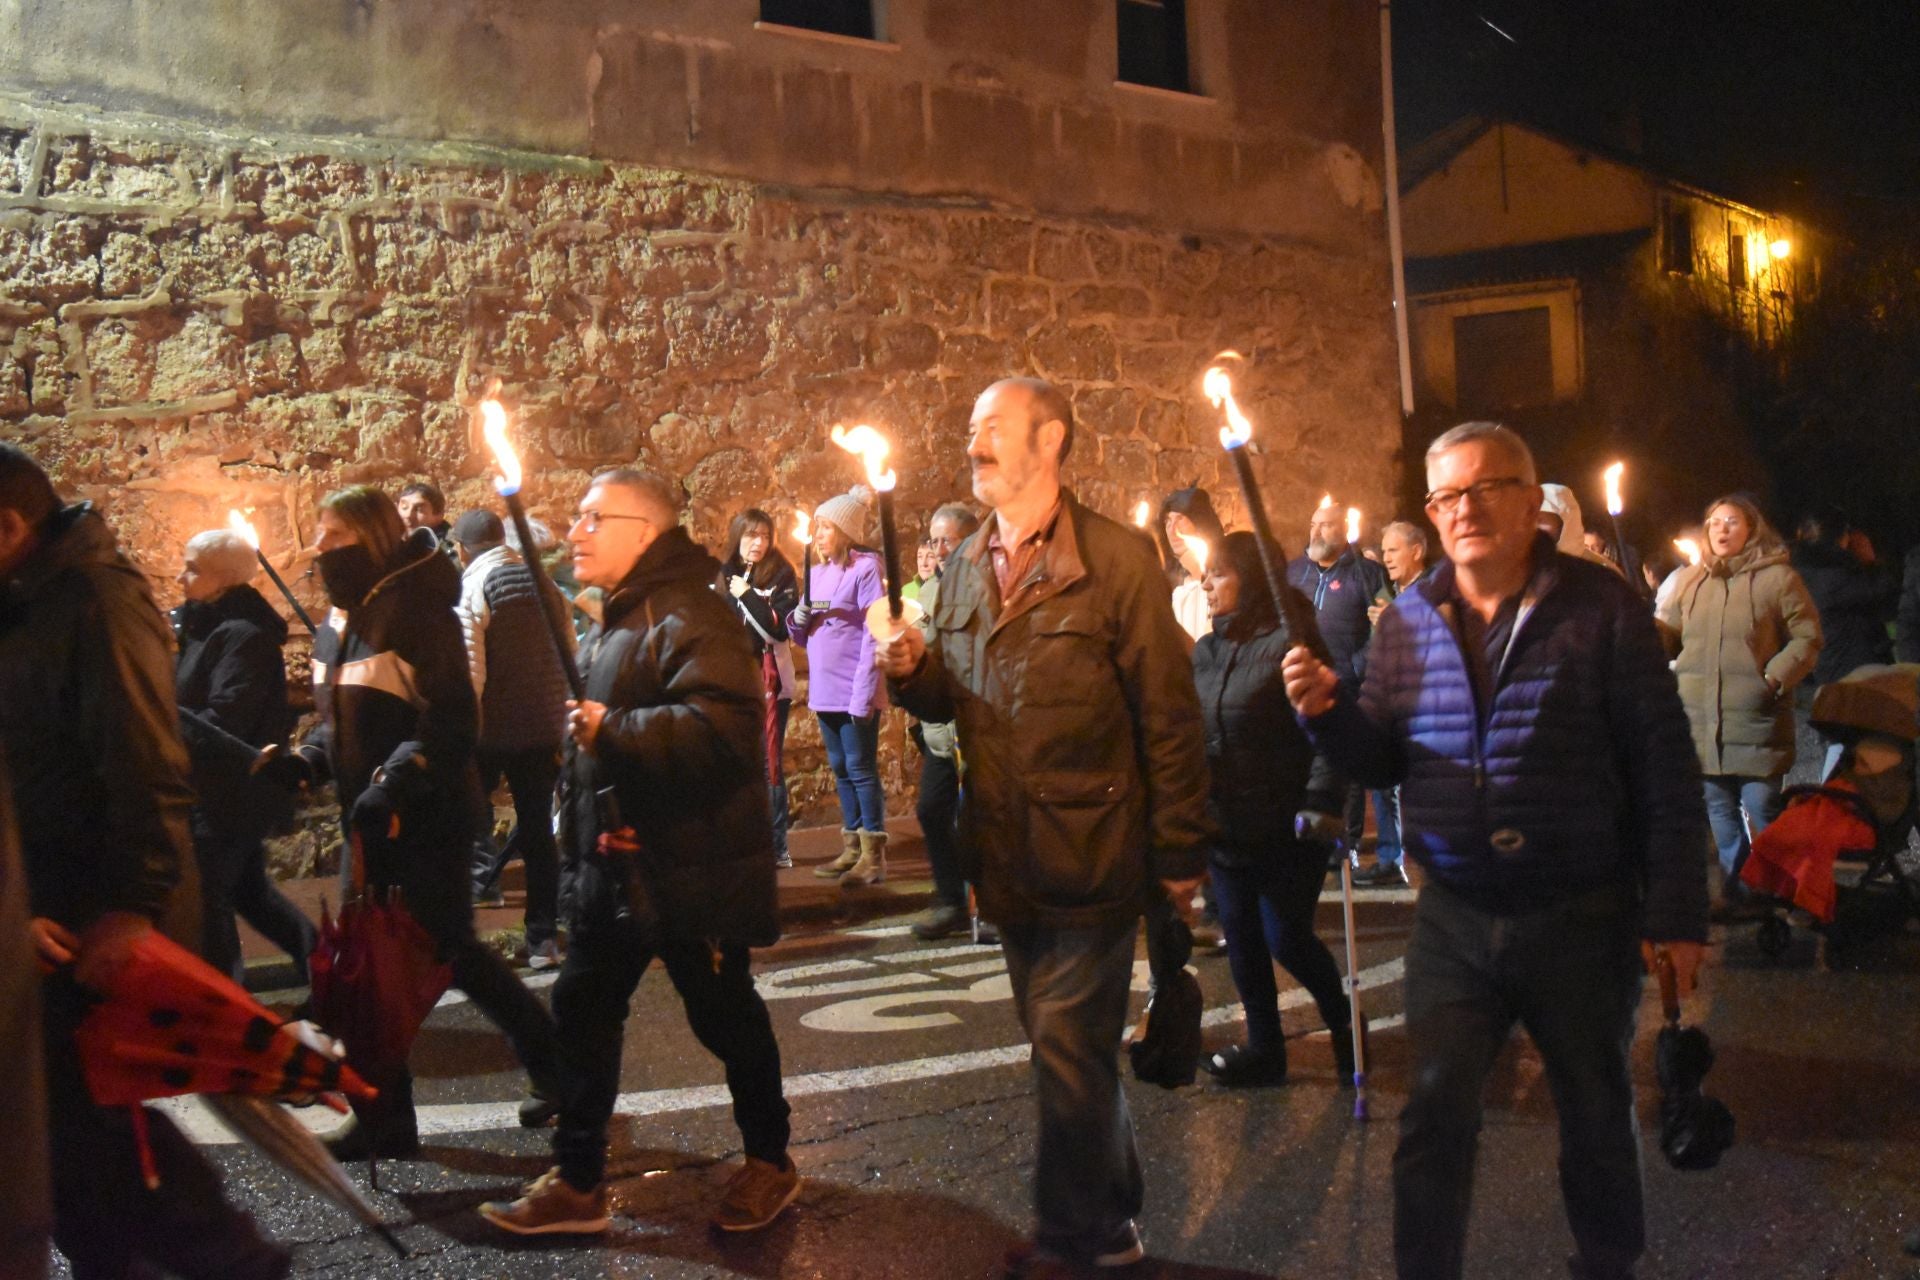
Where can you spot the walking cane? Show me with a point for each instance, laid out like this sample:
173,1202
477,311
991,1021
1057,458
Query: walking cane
1358,1028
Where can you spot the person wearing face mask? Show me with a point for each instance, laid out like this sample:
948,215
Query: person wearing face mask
1262,767
761,582
842,687
1744,632
231,684
398,725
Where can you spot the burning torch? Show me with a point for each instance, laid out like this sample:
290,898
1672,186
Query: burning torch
493,416
1234,436
244,527
803,530
872,449
1615,505
1689,548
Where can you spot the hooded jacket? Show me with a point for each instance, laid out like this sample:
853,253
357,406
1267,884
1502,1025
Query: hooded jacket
681,749
92,734
231,684
1739,623
1855,601
1578,775
1342,592
1083,757
391,684
1557,499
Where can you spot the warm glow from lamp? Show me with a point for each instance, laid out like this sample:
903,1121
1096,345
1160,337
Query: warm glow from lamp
493,420
1613,475
872,449
1780,248
1197,547
244,527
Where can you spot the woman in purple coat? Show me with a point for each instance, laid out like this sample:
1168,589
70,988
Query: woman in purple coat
843,688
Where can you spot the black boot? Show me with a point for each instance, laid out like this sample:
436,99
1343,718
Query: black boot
1243,1066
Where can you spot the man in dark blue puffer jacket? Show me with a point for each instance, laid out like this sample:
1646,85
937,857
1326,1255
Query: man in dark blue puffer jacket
1521,700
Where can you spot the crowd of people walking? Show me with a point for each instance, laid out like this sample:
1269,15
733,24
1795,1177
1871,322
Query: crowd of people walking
1105,723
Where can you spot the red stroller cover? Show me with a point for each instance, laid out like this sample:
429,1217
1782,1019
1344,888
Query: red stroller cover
1793,858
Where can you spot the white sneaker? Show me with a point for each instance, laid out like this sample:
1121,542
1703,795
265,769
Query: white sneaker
544,956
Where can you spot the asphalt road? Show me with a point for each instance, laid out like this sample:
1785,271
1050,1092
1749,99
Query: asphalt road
914,1127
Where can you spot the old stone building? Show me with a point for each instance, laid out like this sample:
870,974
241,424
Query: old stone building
253,252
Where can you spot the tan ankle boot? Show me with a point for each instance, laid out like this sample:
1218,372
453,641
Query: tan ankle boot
872,865
849,854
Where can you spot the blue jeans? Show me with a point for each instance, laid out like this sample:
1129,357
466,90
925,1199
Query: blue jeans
1070,989
1569,974
1386,817
853,749
1267,908
1727,795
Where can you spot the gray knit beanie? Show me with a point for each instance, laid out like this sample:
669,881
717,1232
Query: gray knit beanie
849,512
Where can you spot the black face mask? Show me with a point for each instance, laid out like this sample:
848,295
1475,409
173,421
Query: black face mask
347,573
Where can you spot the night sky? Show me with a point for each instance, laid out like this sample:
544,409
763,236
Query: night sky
1806,104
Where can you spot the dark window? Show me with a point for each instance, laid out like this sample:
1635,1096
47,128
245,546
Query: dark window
837,17
1153,43
1737,260
1503,359
1676,246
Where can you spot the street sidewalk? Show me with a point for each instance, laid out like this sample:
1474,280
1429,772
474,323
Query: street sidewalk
808,904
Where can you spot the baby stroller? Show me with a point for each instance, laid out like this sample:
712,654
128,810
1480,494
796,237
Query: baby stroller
1863,812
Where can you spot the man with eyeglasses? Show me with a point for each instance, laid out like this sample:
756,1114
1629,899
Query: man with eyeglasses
664,820
1521,700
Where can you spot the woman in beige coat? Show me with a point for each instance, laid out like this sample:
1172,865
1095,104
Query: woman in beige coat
1746,632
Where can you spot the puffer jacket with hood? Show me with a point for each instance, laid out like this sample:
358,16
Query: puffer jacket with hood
391,684
1739,623
1557,499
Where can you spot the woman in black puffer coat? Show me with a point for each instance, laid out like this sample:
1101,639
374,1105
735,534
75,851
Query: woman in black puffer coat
231,685
398,725
1267,881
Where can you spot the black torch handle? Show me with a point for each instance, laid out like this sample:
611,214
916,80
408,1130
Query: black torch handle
1635,578
542,586
1296,617
280,582
890,549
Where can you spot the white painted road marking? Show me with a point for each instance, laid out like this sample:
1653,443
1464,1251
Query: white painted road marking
200,1125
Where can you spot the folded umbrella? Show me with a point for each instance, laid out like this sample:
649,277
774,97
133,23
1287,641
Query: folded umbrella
277,1134
1695,1130
1165,1049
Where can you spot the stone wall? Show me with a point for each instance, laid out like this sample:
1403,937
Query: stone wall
193,320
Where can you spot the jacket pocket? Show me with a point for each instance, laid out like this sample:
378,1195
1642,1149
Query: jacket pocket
1081,826
1067,660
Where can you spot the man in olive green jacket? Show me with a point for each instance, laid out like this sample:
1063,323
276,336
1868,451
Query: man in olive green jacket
1053,647
1745,632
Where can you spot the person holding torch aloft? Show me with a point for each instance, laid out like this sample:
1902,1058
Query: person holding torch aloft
843,689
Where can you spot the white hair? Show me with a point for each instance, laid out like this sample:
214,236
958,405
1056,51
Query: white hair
225,555
1501,437
1413,534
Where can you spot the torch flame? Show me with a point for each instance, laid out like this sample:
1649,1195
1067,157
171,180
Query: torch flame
244,527
1326,500
872,448
803,527
1198,548
1141,511
1353,524
1218,387
493,416
1688,548
1613,474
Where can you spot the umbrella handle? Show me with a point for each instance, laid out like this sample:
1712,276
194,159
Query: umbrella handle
1669,984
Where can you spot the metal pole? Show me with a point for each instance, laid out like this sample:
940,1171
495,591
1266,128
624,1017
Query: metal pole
1396,250
279,582
542,585
1358,1019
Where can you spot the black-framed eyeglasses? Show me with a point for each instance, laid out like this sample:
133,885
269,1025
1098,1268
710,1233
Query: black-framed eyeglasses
590,520
1446,501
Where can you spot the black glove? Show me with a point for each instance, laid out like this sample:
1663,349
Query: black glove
375,817
288,770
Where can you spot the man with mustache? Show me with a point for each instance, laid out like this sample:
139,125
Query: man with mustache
1053,648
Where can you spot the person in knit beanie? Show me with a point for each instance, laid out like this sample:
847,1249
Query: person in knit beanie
843,688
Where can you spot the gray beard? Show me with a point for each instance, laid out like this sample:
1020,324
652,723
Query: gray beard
1322,551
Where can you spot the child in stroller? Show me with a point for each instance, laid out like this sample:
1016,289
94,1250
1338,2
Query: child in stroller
1865,809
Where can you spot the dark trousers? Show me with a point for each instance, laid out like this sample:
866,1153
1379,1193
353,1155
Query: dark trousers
1070,989
938,809
530,776
106,1221
234,883
590,1004
432,877
1570,975
1266,910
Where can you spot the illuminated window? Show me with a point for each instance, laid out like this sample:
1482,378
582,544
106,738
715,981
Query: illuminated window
861,19
1153,44
1736,260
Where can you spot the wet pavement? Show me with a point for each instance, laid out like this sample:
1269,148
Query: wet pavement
914,1126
